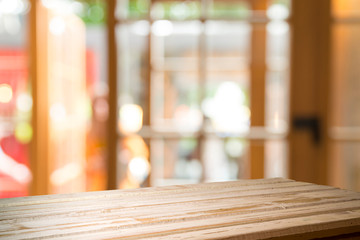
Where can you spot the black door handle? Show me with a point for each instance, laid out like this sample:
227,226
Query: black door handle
311,123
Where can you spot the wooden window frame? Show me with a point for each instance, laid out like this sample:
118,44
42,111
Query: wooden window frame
309,90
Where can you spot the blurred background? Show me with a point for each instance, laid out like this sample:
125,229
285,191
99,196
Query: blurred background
116,94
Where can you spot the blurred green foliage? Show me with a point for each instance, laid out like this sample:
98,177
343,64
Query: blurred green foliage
92,12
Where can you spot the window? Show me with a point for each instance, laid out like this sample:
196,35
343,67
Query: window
197,91
202,90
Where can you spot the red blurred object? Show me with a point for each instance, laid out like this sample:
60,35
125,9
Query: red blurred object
14,72
9,187
91,70
15,149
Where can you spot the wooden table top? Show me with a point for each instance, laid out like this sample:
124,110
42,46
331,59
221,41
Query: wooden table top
245,209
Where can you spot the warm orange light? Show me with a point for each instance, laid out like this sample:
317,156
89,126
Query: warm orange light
128,183
343,8
137,146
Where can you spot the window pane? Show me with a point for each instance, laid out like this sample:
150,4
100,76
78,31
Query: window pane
15,100
346,84
225,160
226,103
175,100
277,76
228,45
133,64
276,164
345,114
277,100
175,45
175,162
175,77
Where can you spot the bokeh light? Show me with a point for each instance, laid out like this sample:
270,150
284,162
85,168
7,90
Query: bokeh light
234,147
139,168
23,132
96,13
13,6
179,11
227,109
162,28
6,93
24,102
278,12
130,118
57,26
58,112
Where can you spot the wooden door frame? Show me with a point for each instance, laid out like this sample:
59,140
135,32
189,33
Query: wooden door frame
112,130
39,146
309,88
257,91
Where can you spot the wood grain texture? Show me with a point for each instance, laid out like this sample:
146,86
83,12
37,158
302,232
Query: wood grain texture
245,209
